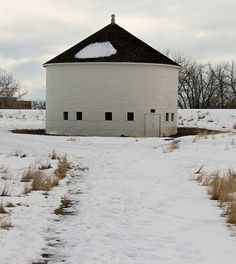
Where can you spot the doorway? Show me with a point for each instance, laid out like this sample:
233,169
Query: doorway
152,125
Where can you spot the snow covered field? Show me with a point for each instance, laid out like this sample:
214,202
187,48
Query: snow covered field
134,200
216,119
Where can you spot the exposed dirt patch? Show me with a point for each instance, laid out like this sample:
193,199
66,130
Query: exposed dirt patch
192,131
182,131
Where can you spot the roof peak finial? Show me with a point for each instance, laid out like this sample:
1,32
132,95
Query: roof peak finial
112,19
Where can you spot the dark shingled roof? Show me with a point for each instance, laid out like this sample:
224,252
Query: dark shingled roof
129,49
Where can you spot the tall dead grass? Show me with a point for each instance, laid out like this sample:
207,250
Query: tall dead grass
62,167
222,188
40,181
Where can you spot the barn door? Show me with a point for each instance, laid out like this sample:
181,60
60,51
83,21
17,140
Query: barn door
152,125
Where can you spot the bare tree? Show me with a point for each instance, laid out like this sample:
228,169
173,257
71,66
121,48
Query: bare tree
204,85
38,104
9,89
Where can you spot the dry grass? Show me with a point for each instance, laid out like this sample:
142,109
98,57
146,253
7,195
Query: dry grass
40,182
6,224
222,188
53,155
234,126
18,153
174,145
62,167
65,204
45,166
27,189
201,176
5,191
2,209
3,169
202,134
9,204
28,176
231,212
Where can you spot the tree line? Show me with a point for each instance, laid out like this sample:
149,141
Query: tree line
205,85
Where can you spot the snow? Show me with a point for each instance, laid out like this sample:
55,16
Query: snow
133,202
215,119
96,50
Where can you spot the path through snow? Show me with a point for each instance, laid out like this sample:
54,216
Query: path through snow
139,205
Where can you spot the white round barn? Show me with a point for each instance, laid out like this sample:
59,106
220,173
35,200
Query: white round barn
111,84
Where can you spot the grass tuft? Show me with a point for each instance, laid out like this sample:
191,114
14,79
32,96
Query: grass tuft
62,167
28,176
6,224
40,182
65,204
2,209
5,191
53,155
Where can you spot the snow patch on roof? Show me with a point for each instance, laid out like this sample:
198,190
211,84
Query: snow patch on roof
96,50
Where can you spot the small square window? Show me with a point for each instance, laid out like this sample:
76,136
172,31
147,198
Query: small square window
153,110
108,116
167,116
130,116
65,115
79,115
172,117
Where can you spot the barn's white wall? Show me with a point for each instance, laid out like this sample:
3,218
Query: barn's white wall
96,88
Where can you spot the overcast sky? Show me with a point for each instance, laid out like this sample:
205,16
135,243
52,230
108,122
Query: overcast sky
34,31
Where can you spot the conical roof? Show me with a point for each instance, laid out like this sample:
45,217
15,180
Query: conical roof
128,49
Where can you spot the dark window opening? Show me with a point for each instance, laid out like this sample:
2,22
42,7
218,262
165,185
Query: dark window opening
172,116
65,115
167,116
108,116
79,115
130,116
153,110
